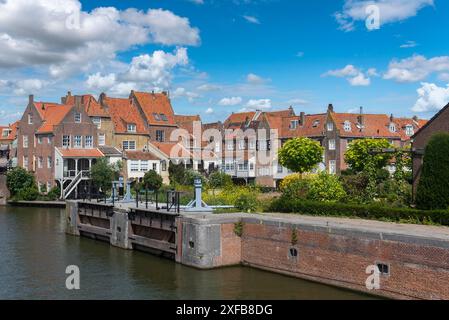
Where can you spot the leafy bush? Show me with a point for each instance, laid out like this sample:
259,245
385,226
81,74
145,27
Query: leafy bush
295,186
247,202
230,195
28,194
355,186
54,194
358,155
103,173
374,212
219,179
190,176
176,173
300,154
19,179
433,188
326,187
152,180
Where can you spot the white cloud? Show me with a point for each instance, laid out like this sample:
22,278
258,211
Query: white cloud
208,87
431,98
59,35
390,11
251,19
255,79
197,1
353,75
296,102
230,101
22,87
416,68
409,44
261,104
144,72
444,76
209,111
182,92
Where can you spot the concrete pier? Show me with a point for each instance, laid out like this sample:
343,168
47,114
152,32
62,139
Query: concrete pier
414,259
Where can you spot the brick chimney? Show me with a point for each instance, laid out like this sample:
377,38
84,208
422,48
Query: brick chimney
31,99
330,107
361,119
302,117
391,118
78,101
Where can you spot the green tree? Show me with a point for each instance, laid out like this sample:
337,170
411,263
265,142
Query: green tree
326,187
176,173
19,179
433,187
219,179
152,180
359,155
102,174
300,154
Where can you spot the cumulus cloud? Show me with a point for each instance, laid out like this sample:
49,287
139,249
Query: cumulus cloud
208,87
209,111
230,101
409,44
416,68
390,11
251,19
22,87
255,79
261,104
182,92
353,75
144,72
431,97
60,35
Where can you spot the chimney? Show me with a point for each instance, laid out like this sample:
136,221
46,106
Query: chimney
391,118
361,119
78,101
415,118
69,93
43,106
330,107
165,93
31,99
302,118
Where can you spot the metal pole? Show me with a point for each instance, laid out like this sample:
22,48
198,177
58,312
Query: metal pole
177,196
137,198
157,200
146,197
113,195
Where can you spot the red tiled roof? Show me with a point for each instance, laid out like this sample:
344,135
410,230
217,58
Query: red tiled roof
141,155
186,122
237,120
90,104
313,126
122,113
79,153
51,114
167,148
154,104
12,128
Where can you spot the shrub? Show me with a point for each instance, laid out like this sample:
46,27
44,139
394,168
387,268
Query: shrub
219,179
152,180
374,212
28,194
247,202
326,187
433,188
358,155
54,194
295,186
301,154
190,176
103,173
176,173
19,179
355,186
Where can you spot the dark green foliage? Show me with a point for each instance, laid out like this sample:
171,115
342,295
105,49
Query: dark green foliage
433,188
103,173
19,179
190,176
219,179
373,212
54,194
300,154
247,202
176,173
152,180
28,194
238,228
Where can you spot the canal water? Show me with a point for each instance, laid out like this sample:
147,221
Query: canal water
35,251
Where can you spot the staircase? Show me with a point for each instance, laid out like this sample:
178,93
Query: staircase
74,183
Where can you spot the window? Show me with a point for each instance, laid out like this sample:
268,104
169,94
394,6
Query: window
251,166
263,145
294,124
154,166
49,140
77,117
229,165
230,145
280,169
77,141
30,118
252,144
330,126
241,144
97,121
134,165
409,131
243,166
25,162
347,126
89,142
25,141
129,145
40,162
160,135
332,167
144,166
49,162
384,269
66,141
217,147
48,186
163,117
131,127
316,123
39,139
5,133
392,128
332,144
156,117
101,139
164,165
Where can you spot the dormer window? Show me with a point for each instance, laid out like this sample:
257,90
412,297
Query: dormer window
330,126
77,117
5,133
163,117
316,123
409,131
157,117
294,124
392,128
131,127
347,126
30,118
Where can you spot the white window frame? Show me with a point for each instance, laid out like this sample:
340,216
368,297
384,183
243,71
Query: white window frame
75,140
25,162
330,126
131,127
144,165
332,166
409,130
101,139
392,128
49,162
97,121
40,162
78,117
347,126
294,124
134,166
66,140
30,118
128,143
241,144
25,141
49,139
332,144
89,139
230,145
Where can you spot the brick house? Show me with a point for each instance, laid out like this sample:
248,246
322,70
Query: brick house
439,123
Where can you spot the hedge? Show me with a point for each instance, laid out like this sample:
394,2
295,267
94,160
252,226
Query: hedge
372,212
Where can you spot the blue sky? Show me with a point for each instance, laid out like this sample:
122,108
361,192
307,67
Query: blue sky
222,56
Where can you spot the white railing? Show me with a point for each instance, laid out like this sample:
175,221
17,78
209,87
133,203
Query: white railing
84,174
